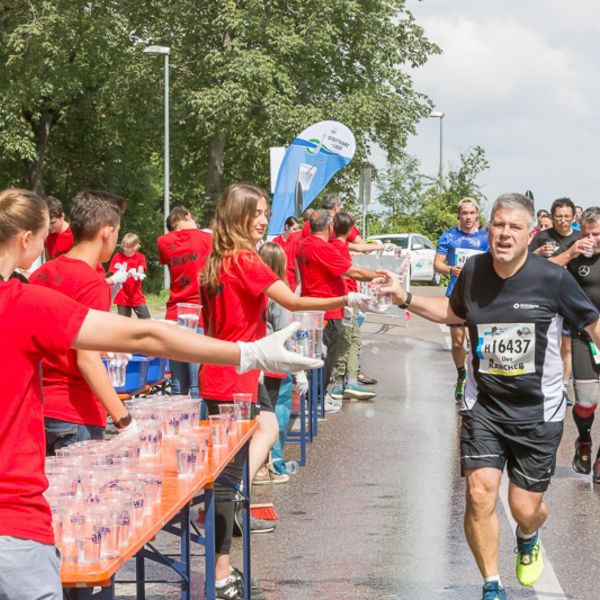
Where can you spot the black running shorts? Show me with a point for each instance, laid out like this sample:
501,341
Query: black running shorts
528,449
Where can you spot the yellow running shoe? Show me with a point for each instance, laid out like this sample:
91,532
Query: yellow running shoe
530,563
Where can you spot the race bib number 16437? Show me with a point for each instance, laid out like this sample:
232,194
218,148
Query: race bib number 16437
506,349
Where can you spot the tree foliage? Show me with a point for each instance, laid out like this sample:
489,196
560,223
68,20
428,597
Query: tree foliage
415,204
81,105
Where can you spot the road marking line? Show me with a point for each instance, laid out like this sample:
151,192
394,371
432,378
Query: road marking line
548,587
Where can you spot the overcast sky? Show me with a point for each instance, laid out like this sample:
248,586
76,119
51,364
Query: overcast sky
521,79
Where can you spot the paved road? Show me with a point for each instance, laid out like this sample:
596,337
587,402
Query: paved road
377,513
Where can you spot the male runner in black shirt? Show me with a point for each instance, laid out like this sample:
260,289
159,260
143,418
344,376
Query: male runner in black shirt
513,304
584,264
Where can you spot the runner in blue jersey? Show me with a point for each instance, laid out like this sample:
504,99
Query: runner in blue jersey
453,249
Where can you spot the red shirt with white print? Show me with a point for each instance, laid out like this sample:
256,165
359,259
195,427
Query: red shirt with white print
185,252
35,323
235,311
67,395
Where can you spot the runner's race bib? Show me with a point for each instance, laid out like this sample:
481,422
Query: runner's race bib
463,253
506,349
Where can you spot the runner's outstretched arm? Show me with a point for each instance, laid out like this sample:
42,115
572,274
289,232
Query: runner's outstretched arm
434,309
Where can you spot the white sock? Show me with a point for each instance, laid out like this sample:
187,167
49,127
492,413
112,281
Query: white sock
222,582
493,578
524,536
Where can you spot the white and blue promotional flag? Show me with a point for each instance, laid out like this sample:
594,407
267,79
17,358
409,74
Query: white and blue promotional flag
310,161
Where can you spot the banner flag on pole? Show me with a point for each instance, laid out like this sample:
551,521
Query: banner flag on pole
310,161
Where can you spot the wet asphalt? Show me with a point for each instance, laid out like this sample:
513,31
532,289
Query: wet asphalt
377,511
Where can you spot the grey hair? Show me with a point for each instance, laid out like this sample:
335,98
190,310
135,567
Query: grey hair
330,201
320,220
591,215
512,201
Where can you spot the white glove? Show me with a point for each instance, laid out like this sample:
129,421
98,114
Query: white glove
139,276
357,300
389,247
301,382
119,277
269,354
131,430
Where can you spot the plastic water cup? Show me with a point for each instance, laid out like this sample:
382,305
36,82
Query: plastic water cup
229,414
88,548
218,431
308,339
244,403
187,457
188,315
117,369
589,252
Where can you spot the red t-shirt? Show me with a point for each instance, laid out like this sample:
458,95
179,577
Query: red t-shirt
236,311
290,246
185,252
354,233
67,395
342,248
131,293
35,323
59,243
321,268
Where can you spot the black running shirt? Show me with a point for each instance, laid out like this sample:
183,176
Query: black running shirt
587,274
563,242
514,365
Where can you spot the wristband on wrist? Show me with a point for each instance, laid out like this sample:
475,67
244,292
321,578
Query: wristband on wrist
345,300
407,301
123,422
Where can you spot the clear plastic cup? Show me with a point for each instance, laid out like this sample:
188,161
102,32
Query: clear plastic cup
218,431
243,401
117,369
308,339
186,450
589,252
188,315
230,414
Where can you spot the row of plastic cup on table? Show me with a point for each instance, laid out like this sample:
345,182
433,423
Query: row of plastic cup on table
102,491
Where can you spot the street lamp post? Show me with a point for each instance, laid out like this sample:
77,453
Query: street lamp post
440,116
164,51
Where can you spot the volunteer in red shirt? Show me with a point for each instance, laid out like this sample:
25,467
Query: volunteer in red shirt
77,389
60,239
322,270
234,290
132,261
36,322
184,250
289,240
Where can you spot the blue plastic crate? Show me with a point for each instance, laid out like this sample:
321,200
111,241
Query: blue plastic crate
156,369
135,374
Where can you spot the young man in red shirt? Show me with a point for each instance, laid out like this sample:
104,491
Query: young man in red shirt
322,270
60,239
184,250
77,390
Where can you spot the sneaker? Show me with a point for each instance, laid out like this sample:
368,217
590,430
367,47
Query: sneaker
492,590
266,475
256,592
331,406
337,393
358,392
459,390
230,591
530,563
582,461
366,380
596,470
256,525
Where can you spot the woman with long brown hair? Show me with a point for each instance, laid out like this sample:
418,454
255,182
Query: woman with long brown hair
234,290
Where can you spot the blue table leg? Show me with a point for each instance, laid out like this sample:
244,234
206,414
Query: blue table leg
140,577
209,540
322,388
246,519
108,593
185,552
302,430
